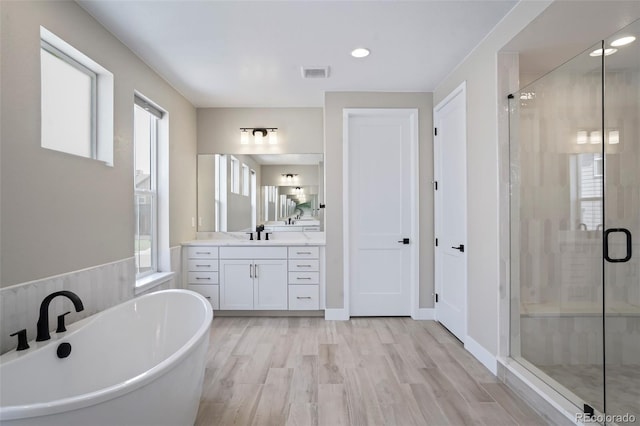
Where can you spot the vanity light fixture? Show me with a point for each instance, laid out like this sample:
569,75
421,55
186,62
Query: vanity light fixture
259,133
614,137
288,176
595,137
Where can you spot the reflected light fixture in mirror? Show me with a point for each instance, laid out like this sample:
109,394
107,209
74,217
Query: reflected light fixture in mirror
595,137
259,134
288,177
623,41
581,137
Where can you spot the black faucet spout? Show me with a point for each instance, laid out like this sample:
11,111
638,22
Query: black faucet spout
43,319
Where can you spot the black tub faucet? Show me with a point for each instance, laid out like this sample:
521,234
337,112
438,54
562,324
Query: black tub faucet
43,320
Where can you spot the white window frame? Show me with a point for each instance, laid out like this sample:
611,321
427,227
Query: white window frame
220,193
101,143
245,180
60,55
235,175
163,270
151,193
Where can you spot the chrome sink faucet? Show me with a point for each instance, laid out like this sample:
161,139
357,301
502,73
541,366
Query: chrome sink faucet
43,320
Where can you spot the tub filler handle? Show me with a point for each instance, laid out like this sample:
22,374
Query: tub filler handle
61,328
22,339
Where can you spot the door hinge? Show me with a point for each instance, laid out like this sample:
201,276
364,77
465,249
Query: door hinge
436,242
588,411
436,297
435,131
435,185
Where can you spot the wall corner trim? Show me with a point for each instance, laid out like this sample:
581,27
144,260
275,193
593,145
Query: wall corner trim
424,314
481,354
339,314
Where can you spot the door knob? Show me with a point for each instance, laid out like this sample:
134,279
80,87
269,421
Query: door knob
460,247
404,241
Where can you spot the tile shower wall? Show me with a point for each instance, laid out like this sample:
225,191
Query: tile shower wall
99,288
560,265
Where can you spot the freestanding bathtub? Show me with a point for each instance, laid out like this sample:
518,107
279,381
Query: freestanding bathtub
138,363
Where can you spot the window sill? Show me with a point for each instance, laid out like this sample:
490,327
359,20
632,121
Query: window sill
151,281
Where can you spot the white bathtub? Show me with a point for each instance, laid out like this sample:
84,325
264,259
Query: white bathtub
138,363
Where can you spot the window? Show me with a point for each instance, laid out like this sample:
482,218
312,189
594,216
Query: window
146,188
245,180
235,175
76,100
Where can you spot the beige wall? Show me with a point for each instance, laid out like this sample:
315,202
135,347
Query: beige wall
479,70
299,130
62,213
335,102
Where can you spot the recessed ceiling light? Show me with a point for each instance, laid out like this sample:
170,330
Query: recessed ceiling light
607,52
622,41
360,52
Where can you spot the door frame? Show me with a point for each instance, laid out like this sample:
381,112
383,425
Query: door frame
437,204
414,249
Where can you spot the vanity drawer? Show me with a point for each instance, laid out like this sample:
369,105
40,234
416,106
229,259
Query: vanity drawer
304,297
202,278
210,292
304,277
196,265
304,252
202,252
253,252
304,265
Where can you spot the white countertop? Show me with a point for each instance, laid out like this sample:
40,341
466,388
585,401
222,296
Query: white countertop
242,239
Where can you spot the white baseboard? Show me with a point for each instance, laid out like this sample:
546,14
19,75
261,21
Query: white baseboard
339,314
425,314
481,354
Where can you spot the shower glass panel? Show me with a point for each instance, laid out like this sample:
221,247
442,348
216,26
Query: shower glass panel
575,228
556,151
622,213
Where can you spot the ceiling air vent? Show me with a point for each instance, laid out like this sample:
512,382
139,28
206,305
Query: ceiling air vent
315,72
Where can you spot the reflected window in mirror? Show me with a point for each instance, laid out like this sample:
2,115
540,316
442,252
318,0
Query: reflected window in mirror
235,175
245,180
587,187
262,196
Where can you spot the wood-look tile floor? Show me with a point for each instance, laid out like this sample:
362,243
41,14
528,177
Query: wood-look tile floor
366,371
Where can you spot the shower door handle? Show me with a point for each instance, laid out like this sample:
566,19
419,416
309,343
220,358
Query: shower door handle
627,234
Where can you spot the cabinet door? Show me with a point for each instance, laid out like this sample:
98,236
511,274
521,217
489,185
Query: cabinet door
236,284
270,284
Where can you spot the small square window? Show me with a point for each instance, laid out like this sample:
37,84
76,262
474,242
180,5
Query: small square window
76,101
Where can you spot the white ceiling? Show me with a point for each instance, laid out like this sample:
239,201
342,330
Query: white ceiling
249,53
565,29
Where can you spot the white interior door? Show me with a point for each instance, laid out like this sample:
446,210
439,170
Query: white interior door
450,170
380,199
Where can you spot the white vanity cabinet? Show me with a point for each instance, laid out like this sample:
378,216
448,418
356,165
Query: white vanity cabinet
304,278
253,278
202,272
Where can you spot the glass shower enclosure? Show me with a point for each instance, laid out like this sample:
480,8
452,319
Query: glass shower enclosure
575,229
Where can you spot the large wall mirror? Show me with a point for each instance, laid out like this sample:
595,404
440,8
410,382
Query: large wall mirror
283,192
